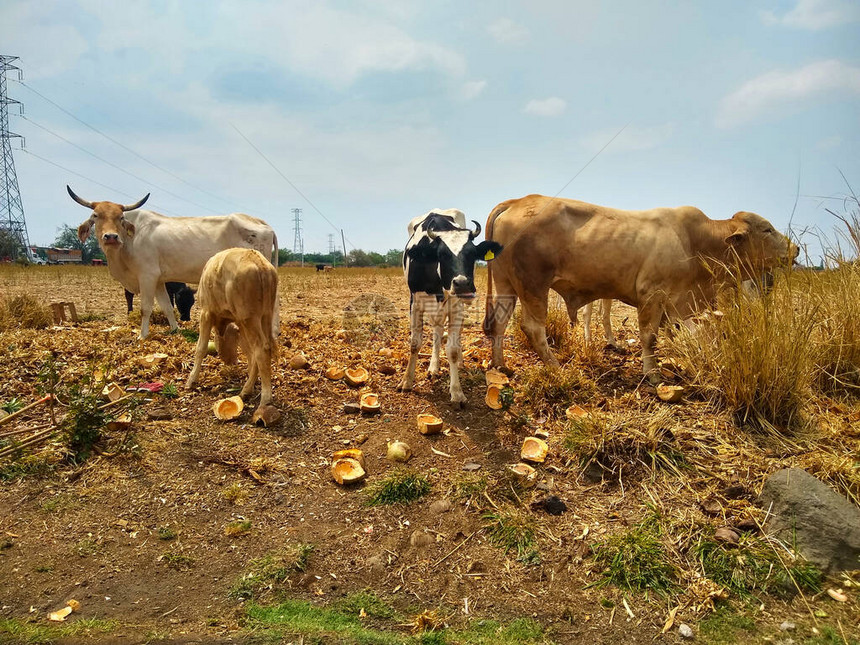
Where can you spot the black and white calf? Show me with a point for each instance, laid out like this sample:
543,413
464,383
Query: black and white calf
181,296
439,263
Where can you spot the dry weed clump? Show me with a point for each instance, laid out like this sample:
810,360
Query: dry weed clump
23,311
757,359
622,446
553,389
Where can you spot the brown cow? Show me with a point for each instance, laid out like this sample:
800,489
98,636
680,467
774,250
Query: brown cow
666,262
240,286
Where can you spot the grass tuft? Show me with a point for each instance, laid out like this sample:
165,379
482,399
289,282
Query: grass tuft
636,559
23,311
513,531
400,487
554,388
272,570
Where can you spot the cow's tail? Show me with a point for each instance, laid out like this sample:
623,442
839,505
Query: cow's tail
274,249
489,311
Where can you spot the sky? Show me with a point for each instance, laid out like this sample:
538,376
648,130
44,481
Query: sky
366,113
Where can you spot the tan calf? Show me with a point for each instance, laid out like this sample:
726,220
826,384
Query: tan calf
240,286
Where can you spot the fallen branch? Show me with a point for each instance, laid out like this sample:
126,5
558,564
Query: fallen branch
11,433
47,397
30,441
454,550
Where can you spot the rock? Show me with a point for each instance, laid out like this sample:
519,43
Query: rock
787,626
351,408
159,413
727,536
440,506
376,565
471,466
747,525
711,506
421,538
299,362
685,631
551,504
824,526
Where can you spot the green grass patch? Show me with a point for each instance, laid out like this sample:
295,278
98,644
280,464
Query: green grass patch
191,335
19,632
636,559
166,533
365,601
177,560
513,531
726,626
272,570
400,487
754,568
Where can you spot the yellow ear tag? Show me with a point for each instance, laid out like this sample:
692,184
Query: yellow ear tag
490,255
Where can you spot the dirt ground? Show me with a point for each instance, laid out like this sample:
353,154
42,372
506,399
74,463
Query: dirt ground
97,532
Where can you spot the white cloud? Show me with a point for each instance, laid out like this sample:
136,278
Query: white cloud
552,106
473,89
631,138
816,14
508,32
778,89
46,46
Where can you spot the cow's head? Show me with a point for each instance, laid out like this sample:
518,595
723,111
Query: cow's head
758,244
111,226
453,253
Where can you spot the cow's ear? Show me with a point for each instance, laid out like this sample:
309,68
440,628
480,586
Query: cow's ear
129,228
488,249
737,238
84,230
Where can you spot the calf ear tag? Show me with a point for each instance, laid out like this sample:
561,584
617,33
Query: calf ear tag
490,255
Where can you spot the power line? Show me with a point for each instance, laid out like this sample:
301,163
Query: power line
113,165
296,188
77,174
126,148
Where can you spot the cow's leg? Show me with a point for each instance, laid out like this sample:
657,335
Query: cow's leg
586,321
650,317
166,305
129,300
456,313
497,317
534,326
416,324
436,314
606,311
202,346
147,296
248,339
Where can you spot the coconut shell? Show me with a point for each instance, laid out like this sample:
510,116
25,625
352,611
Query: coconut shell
351,453
153,359
399,451
266,415
534,450
335,373
120,423
369,403
576,412
523,472
347,470
429,424
357,376
670,393
228,409
493,397
496,377
112,392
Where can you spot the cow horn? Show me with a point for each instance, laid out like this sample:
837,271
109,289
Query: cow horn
82,202
432,233
477,232
136,204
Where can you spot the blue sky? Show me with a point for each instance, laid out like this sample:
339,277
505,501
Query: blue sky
379,110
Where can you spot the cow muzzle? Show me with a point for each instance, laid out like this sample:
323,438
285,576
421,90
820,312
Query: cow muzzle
111,239
463,288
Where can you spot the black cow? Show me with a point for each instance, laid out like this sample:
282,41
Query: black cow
181,296
439,264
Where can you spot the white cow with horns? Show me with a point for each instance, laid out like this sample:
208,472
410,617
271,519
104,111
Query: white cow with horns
145,249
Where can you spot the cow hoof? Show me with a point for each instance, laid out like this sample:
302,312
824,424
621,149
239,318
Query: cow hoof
459,405
404,387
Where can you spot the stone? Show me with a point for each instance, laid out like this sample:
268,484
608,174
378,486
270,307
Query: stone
803,511
685,631
727,536
299,362
787,626
351,408
421,538
440,506
551,504
159,413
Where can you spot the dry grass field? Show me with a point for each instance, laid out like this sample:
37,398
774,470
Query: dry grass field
182,528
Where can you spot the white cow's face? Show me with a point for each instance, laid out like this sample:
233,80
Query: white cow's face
112,229
760,244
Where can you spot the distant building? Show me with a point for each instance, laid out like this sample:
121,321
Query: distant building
64,256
